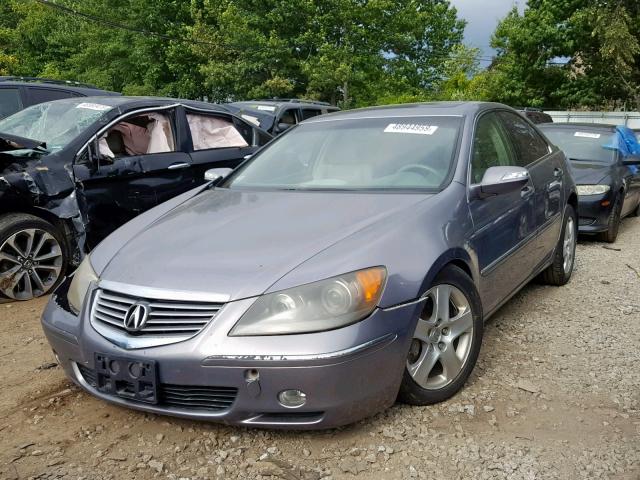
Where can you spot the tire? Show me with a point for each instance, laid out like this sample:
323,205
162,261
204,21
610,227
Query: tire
559,272
444,375
33,256
613,223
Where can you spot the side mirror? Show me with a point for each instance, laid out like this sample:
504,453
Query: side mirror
501,180
631,160
216,174
283,126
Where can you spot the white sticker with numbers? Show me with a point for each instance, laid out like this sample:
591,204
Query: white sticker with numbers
413,128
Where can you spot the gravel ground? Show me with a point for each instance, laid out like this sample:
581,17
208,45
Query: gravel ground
556,394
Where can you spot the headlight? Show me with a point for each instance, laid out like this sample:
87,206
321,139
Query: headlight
324,305
82,277
593,189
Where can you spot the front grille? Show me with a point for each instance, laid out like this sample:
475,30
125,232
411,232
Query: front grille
166,317
183,397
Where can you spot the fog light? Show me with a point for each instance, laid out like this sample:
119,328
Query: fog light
292,398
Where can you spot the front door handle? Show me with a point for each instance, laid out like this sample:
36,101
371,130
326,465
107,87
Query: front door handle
558,172
526,191
179,165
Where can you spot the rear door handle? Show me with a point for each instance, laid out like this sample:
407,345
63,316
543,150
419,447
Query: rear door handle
558,172
177,166
526,191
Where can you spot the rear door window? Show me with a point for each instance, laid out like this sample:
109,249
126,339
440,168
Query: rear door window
529,144
211,131
289,117
310,113
10,101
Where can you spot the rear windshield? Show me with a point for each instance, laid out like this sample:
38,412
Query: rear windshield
583,145
357,154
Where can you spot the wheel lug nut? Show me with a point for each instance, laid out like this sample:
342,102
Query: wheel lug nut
445,331
441,346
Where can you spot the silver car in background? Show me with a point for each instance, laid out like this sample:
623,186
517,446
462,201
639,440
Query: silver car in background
352,261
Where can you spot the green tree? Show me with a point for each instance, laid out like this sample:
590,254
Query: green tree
567,53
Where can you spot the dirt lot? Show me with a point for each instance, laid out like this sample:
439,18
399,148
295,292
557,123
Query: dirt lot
556,394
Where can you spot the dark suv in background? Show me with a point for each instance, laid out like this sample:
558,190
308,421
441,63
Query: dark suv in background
17,93
277,115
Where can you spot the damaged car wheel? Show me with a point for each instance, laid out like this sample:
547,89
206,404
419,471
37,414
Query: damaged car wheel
32,257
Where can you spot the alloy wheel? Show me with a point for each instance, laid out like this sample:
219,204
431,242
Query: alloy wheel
30,264
568,245
442,339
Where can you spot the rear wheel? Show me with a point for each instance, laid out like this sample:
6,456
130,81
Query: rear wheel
559,272
446,341
613,222
32,256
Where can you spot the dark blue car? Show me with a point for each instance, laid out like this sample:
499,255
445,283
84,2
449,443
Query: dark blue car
350,262
604,160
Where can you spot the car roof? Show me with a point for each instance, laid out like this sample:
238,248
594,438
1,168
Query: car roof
606,127
77,87
280,102
462,109
142,102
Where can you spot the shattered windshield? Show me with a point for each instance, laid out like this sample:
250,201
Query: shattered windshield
387,153
55,123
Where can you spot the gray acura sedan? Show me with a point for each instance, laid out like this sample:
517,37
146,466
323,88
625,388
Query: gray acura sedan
351,262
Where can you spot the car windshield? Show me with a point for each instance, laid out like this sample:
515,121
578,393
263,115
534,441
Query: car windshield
55,123
583,145
357,154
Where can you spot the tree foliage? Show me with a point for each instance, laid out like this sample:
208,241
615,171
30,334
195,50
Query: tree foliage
568,53
352,52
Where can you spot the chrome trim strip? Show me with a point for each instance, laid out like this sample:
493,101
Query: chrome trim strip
162,294
274,360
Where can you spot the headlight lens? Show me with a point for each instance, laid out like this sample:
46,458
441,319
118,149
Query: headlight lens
82,277
593,189
332,303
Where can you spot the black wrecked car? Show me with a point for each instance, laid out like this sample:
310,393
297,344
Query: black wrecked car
278,115
72,171
604,160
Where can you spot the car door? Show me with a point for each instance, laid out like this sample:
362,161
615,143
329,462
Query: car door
119,180
547,174
504,225
219,140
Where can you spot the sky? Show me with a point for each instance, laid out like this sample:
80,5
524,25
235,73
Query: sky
482,17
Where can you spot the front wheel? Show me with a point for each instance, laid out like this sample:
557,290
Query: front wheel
613,222
446,341
32,256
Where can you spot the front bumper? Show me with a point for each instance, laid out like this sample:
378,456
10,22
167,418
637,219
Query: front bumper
593,217
357,378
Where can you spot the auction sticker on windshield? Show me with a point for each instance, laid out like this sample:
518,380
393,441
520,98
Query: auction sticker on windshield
93,106
586,135
414,128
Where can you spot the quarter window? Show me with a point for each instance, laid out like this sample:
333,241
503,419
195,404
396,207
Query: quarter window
10,101
529,145
491,147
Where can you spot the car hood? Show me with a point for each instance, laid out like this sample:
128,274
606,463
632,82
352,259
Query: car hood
237,244
589,173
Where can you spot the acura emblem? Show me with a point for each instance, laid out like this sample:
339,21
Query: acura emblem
136,317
